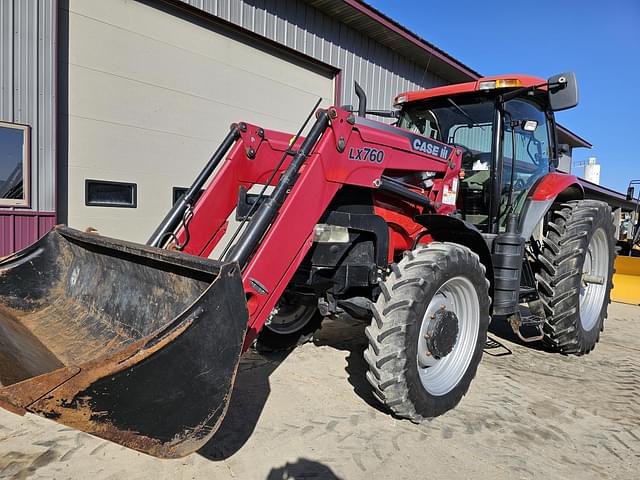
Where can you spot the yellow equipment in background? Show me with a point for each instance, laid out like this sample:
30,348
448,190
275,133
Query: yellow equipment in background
626,281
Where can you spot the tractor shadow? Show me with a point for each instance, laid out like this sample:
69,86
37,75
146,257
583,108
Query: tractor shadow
252,388
250,393
347,334
500,331
302,469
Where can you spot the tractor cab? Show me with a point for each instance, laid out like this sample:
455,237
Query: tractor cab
505,128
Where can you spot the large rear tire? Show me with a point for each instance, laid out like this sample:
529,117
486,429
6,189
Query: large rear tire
578,248
428,330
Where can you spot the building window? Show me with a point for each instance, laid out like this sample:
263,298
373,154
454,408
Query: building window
102,193
14,165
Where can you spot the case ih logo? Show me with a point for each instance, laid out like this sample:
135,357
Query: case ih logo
432,148
364,154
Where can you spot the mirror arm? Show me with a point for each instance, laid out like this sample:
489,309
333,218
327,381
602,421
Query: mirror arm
519,91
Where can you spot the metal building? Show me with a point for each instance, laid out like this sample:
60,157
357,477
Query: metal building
108,109
27,121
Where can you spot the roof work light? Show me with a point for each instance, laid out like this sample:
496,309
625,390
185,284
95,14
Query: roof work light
499,83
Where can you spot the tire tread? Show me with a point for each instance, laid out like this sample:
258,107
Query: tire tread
386,354
559,270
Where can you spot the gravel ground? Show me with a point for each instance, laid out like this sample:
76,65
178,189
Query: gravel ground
528,414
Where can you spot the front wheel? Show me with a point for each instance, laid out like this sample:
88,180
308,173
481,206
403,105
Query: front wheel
428,332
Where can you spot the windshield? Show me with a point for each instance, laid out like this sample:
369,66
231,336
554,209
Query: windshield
465,121
460,120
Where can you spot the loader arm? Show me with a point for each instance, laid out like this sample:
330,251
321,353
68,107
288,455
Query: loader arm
140,345
345,150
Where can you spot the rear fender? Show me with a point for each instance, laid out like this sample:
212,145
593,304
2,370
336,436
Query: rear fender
553,187
444,228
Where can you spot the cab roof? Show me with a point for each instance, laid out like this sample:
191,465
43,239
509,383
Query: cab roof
458,88
564,135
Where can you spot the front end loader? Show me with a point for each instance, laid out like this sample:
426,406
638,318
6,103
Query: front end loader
126,342
426,228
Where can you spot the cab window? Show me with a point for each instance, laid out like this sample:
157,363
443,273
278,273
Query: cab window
526,151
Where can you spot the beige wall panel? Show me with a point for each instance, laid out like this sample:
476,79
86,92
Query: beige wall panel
152,95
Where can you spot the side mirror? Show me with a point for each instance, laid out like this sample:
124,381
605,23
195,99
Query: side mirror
563,91
630,193
564,149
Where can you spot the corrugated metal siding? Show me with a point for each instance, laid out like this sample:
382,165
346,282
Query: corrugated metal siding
27,82
382,72
20,229
476,138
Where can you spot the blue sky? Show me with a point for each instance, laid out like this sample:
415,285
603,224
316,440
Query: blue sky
598,40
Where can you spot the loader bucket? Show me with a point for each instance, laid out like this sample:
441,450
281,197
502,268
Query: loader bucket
626,280
134,344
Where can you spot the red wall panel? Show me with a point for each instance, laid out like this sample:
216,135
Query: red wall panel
20,229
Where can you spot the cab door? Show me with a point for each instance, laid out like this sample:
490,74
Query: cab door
526,152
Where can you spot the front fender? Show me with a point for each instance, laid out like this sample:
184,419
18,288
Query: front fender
554,186
444,228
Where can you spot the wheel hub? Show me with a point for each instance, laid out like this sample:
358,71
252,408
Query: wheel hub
442,333
448,335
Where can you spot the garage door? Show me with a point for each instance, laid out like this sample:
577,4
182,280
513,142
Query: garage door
151,95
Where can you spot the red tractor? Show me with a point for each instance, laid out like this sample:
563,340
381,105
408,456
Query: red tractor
427,228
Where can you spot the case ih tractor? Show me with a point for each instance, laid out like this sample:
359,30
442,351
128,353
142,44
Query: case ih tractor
427,228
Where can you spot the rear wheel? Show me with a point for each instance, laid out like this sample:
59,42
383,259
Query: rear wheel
428,331
574,279
293,322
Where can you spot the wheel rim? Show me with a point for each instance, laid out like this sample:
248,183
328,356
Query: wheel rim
290,318
440,376
596,264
